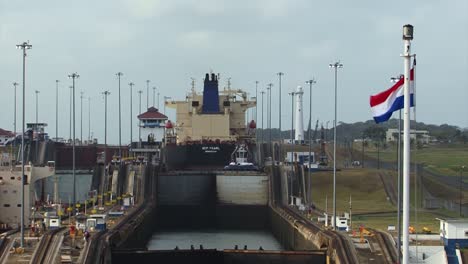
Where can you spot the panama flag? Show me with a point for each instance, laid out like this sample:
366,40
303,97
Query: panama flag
391,100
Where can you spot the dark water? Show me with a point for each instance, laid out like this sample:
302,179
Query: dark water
65,186
210,239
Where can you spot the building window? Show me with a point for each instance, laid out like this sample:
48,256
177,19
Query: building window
6,205
19,205
1,178
12,178
15,191
5,191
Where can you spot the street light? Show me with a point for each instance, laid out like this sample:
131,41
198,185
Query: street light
131,84
37,130
70,117
89,118
335,66
309,188
269,118
24,46
74,76
105,93
56,110
119,74
154,96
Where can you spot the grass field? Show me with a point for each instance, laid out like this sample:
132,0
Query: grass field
445,159
370,206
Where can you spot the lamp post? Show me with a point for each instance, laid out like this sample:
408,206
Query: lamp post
37,121
81,117
147,93
139,121
131,84
335,66
158,100
24,46
407,37
56,110
119,74
280,74
461,192
73,76
154,96
309,188
292,148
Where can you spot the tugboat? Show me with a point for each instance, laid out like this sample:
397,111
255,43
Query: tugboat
240,158
209,127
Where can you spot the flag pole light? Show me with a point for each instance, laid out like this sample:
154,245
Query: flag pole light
407,37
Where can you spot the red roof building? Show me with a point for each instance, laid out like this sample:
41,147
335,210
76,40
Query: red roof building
6,133
152,113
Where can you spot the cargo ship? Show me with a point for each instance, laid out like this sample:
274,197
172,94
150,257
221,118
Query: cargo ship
209,127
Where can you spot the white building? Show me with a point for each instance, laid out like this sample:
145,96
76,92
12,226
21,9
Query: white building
5,136
421,135
454,234
152,125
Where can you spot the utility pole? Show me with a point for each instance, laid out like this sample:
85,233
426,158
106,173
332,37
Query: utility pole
131,84
71,110
154,96
309,186
119,74
461,187
74,76
24,46
56,110
263,130
335,66
256,105
158,101
269,117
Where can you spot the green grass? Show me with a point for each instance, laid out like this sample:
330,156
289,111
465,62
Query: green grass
445,160
425,219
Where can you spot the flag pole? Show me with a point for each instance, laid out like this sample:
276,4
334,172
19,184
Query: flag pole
407,37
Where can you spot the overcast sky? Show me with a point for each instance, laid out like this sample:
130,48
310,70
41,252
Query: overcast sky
168,42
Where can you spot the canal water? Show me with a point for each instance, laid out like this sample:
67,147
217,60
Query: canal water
214,239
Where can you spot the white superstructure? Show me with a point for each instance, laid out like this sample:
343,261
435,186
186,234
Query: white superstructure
299,116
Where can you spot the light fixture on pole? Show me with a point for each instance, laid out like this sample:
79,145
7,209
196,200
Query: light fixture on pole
407,37
37,127
147,93
24,46
56,110
309,185
335,66
119,74
131,84
73,76
280,74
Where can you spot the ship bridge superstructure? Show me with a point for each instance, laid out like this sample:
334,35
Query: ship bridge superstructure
214,115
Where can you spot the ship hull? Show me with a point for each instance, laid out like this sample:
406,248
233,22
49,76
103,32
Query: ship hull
198,156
